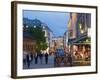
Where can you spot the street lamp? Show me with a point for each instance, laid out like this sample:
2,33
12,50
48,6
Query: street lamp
26,26
34,26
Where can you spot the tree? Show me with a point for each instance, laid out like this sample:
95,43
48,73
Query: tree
38,35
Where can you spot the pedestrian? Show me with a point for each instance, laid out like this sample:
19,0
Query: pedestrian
28,60
31,55
41,57
36,58
24,57
70,58
46,58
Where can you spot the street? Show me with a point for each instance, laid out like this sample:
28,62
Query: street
41,65
51,63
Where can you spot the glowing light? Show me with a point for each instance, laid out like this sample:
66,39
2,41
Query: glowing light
80,25
82,31
87,40
34,26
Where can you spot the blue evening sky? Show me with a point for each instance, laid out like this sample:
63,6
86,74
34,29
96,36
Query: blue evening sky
56,21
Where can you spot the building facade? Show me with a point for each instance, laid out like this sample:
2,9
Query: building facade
72,26
29,43
79,37
78,28
65,39
48,34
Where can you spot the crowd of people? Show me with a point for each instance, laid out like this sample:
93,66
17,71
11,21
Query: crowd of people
36,57
71,54
81,52
74,54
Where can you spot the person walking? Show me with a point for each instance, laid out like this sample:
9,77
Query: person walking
31,55
36,58
70,58
41,57
24,57
28,60
46,58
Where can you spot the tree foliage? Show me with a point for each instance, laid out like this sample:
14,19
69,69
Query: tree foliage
38,34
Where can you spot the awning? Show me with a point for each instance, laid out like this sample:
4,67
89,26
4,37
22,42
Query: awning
80,40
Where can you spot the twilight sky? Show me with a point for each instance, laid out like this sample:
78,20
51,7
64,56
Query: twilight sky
56,21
